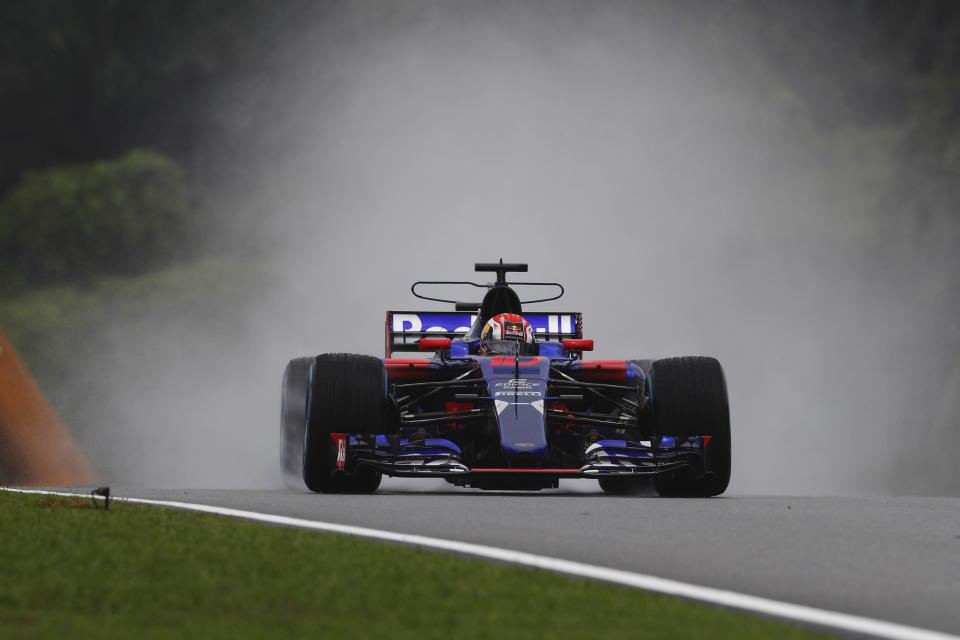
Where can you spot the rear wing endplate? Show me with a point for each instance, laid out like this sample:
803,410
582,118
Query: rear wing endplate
405,328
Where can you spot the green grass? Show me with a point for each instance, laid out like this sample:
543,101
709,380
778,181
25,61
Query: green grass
69,570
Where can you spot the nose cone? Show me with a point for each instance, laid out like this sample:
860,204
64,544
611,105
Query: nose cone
522,433
518,388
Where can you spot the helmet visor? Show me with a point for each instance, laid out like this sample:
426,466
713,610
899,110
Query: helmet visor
509,347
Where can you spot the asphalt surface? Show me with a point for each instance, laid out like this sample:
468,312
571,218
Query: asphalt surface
893,559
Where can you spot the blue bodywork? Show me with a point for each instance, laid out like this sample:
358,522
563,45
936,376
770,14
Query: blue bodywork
513,421
513,424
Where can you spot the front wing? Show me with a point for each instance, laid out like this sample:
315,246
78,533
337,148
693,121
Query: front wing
439,457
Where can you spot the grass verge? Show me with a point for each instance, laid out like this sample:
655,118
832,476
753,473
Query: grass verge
72,570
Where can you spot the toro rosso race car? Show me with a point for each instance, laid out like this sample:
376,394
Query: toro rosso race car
507,401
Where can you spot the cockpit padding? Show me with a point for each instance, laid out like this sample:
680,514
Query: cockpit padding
497,300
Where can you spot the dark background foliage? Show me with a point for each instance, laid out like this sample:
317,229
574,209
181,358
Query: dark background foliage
82,81
107,217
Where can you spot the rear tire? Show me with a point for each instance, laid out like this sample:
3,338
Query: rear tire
293,417
689,397
347,395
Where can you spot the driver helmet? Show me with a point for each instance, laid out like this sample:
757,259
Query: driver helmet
508,334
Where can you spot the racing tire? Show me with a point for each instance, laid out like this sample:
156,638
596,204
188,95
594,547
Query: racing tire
346,395
293,418
689,397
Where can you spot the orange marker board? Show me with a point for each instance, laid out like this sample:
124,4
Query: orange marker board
35,448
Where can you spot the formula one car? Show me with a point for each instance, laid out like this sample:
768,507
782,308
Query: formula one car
506,402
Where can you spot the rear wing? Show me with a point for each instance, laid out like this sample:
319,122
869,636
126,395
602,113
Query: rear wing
405,328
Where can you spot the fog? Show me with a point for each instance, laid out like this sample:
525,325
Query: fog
608,148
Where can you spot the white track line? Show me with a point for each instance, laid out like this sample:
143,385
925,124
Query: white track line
731,599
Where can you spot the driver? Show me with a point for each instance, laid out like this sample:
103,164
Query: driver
507,334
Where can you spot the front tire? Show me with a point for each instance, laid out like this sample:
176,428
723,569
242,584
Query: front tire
689,397
346,395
